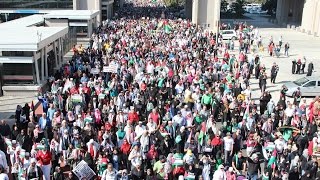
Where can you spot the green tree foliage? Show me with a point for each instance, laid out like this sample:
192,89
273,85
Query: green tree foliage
270,6
237,7
171,3
224,5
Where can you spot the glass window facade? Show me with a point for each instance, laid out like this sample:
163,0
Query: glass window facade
36,4
18,73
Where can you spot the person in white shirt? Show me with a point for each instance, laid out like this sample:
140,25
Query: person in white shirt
151,126
110,173
228,148
220,174
140,129
135,155
280,144
3,175
289,112
3,160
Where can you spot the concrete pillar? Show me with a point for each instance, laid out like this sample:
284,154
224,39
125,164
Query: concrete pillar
46,62
308,15
62,50
98,7
36,68
56,64
89,28
195,10
75,4
59,52
316,17
42,64
188,9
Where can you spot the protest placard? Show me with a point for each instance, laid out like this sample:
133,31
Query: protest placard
83,171
111,68
76,98
94,71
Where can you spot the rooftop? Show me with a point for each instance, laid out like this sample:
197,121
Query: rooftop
23,22
72,14
29,38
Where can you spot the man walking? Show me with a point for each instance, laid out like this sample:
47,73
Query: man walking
310,69
274,72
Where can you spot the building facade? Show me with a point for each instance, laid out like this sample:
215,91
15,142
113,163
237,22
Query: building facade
13,9
205,13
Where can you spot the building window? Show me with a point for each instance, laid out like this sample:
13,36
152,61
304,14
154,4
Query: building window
18,73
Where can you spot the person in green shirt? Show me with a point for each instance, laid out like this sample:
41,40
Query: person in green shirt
206,100
158,167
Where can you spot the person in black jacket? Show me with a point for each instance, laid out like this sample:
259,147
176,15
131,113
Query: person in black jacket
34,171
294,175
137,173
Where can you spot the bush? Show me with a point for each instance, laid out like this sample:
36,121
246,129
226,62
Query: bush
237,7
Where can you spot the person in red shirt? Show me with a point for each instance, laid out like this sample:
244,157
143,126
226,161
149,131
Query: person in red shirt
44,157
154,115
133,116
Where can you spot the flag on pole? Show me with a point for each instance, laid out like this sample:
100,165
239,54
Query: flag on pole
273,159
246,113
202,133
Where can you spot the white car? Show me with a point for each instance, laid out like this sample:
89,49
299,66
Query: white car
309,86
228,34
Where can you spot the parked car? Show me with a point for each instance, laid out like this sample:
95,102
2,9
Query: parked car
309,86
228,34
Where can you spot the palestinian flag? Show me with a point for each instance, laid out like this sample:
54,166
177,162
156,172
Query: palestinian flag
8,142
202,134
288,132
246,113
273,160
167,29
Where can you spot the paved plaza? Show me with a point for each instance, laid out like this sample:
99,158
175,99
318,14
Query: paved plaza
300,45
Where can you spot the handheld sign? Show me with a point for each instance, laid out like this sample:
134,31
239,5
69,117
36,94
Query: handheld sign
83,171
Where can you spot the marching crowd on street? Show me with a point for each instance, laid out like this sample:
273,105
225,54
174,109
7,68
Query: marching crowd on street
155,97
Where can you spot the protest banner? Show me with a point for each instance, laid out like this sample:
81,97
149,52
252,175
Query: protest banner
94,71
76,98
83,171
111,68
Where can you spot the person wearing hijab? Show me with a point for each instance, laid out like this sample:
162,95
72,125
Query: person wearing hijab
220,174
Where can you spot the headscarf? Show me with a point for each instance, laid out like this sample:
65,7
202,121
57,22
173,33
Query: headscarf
152,154
125,147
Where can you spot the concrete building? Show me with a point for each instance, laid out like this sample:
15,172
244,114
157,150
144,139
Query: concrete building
304,14
104,6
11,9
33,47
205,13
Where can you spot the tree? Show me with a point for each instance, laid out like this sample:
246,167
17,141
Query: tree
224,5
171,3
270,6
237,7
